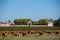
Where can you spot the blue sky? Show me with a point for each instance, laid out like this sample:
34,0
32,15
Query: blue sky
33,9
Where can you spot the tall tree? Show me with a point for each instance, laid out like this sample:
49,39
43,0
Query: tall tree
16,21
21,21
34,22
57,22
42,21
51,20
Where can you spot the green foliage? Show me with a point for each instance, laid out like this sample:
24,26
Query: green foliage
42,21
21,21
57,22
51,20
34,22
17,21
20,28
39,22
31,37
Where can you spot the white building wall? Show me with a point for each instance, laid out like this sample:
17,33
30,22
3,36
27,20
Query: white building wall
50,24
4,25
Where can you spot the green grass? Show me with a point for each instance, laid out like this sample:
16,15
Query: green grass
19,28
30,37
43,37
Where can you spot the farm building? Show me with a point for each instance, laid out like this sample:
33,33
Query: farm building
29,23
6,23
50,23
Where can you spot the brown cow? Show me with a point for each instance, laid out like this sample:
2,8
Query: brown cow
15,33
25,33
32,32
5,34
41,33
0,33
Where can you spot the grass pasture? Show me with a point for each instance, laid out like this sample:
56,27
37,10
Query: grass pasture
20,28
43,37
30,37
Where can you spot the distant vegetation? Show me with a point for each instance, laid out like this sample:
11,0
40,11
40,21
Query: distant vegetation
39,22
19,28
24,21
57,22
21,21
30,37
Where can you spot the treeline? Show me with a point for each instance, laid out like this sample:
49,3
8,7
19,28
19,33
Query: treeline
39,22
21,21
24,22
57,22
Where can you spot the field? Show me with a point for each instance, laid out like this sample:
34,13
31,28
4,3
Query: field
45,36
42,37
20,28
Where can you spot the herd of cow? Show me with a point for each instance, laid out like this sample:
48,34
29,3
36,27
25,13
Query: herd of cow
17,33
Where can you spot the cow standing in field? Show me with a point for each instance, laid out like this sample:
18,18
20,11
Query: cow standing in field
0,33
25,33
40,33
5,34
15,33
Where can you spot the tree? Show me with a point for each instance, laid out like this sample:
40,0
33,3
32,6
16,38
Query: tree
57,22
24,21
21,21
34,22
42,21
51,20
17,21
